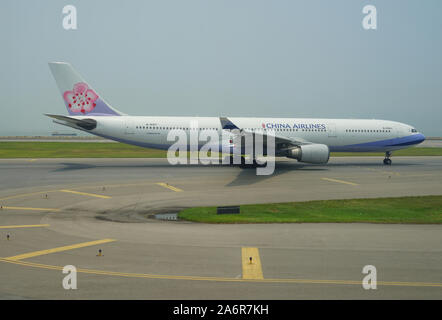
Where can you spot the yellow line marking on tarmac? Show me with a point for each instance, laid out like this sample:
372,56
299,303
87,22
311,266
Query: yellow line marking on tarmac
86,194
27,194
251,264
22,195
340,181
118,185
165,185
25,226
32,160
59,249
31,209
218,279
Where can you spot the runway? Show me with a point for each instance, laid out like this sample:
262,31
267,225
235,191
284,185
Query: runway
55,211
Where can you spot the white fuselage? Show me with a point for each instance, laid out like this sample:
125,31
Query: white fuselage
354,135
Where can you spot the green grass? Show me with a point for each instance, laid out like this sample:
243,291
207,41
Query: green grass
75,150
427,209
25,149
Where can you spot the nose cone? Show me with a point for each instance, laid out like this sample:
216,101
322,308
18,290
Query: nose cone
418,138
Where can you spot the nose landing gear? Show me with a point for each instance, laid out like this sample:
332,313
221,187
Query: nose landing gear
387,160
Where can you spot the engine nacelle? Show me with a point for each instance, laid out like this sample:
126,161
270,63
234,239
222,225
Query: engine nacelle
310,153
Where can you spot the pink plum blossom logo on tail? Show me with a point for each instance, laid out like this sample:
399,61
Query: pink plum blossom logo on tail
81,98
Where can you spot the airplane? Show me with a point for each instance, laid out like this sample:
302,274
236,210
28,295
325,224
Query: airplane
307,140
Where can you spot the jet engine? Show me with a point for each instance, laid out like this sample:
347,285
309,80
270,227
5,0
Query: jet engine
310,153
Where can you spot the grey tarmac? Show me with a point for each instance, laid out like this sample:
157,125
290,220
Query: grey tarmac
66,202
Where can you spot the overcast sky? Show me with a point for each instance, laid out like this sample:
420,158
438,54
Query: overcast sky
279,58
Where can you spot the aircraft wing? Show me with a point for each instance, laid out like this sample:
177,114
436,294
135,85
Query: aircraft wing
281,142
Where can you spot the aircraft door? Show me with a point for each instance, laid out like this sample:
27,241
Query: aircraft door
331,130
129,127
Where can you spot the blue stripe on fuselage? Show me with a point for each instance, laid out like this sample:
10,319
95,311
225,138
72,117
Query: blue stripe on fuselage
382,144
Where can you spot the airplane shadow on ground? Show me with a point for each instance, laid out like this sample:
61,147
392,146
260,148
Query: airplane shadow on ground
74,166
280,167
247,175
284,166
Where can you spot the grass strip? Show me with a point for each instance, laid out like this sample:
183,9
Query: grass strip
425,209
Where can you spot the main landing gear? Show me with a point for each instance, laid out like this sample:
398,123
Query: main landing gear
387,160
229,160
243,163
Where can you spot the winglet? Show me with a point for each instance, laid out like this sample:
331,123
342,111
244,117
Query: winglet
226,124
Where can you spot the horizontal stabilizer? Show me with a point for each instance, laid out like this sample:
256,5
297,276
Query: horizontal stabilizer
87,124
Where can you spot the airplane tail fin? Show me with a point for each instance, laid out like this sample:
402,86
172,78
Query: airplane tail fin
79,98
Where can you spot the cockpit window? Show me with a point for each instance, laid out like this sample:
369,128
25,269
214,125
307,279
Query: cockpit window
413,130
